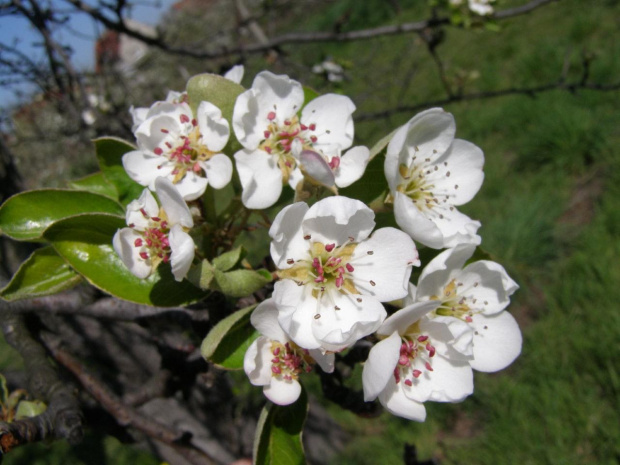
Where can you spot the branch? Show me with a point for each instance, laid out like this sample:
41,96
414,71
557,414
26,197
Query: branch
63,418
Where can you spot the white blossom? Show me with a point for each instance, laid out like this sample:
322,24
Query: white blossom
429,173
281,145
172,143
275,362
334,273
156,234
476,295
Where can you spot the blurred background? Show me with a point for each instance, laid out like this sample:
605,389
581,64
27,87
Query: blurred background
537,87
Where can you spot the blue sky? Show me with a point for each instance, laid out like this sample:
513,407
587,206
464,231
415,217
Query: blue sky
80,32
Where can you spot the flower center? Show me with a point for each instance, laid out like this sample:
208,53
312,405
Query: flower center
289,360
186,153
416,354
154,243
455,304
279,141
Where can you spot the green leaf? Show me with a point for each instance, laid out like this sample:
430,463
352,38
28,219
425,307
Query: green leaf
29,409
110,151
381,144
43,273
227,342
25,216
278,434
85,242
228,259
95,183
239,283
309,94
371,186
4,391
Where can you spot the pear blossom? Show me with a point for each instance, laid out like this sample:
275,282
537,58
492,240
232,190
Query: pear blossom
185,149
429,173
156,234
281,146
481,7
334,273
275,362
476,295
413,363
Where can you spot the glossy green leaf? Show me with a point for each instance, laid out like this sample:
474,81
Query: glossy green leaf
239,283
95,183
25,216
228,259
110,151
85,242
279,432
309,94
29,409
371,186
381,144
227,342
43,273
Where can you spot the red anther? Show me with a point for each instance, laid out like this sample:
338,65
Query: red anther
403,359
330,247
194,122
431,350
131,225
144,255
184,119
303,127
166,258
312,127
396,374
165,131
308,368
149,242
197,168
335,163
468,319
275,370
276,351
169,145
158,151
156,218
339,281
320,279
422,338
416,373
164,224
287,122
266,134
350,268
275,360
143,211
408,382
313,139
288,164
267,149
138,242
271,115
428,366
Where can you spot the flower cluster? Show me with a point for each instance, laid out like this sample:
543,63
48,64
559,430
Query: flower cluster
335,271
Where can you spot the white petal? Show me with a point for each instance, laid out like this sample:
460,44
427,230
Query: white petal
219,170
134,215
257,362
497,341
352,166
397,403
456,227
325,360
392,160
213,127
450,381
336,219
182,252
402,319
260,177
288,241
173,204
494,285
297,309
315,166
441,269
265,319
379,367
389,266
458,342
464,162
331,114
144,168
415,223
338,329
123,243
235,74
191,186
281,391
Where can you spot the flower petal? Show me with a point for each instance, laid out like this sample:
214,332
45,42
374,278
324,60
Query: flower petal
379,367
494,286
383,264
297,309
352,166
182,252
331,114
124,245
257,362
219,170
337,219
214,129
265,319
450,381
173,204
405,317
147,204
144,167
315,166
260,177
325,360
281,391
415,223
235,74
191,186
497,341
441,269
288,241
397,403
